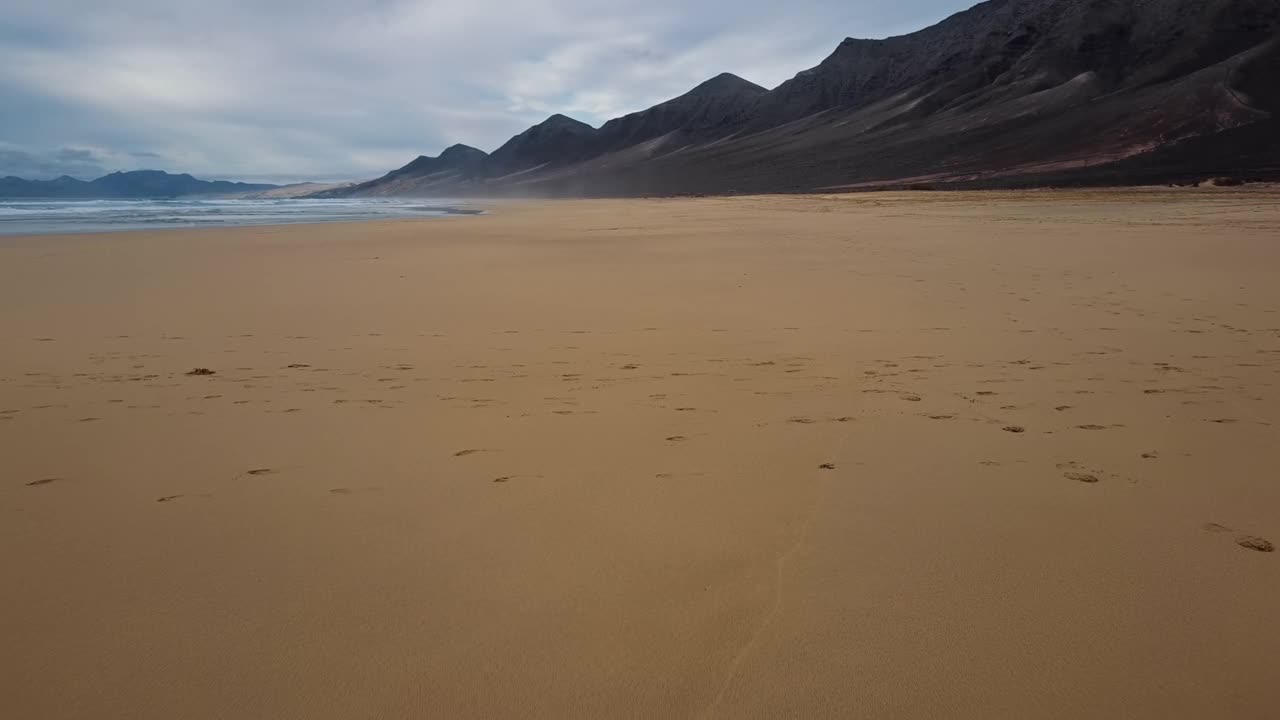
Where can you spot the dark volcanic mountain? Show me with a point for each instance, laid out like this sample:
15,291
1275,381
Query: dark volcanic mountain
457,166
462,160
554,141
1007,93
136,185
713,110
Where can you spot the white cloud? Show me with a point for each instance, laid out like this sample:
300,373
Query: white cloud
350,88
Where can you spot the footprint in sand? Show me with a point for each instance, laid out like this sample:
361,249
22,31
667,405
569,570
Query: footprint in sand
509,478
1255,543
1091,427
941,417
1080,477
802,420
827,466
911,398
1248,542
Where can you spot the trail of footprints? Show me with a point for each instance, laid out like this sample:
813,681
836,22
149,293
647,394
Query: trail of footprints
626,368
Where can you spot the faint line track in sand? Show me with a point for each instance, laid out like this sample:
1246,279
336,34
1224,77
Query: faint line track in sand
780,569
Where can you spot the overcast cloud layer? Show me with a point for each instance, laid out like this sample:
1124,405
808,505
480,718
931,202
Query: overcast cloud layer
285,90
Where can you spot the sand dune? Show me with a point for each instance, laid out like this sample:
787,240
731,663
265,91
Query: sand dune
889,455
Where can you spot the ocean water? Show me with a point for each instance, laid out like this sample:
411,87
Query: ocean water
26,217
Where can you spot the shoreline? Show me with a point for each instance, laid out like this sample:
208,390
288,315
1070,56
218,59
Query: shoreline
422,212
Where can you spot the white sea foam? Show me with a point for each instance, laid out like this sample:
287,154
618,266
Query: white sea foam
22,217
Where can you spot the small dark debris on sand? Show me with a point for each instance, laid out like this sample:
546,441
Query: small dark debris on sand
827,466
1081,477
261,471
168,498
44,481
1015,429
202,371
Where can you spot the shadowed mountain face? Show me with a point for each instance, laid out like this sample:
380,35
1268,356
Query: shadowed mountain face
555,141
713,110
1007,93
461,159
456,167
136,185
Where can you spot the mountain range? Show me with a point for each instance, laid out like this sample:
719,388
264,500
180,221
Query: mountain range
1008,93
135,185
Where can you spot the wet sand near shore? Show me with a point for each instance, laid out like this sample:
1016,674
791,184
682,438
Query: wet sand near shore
883,455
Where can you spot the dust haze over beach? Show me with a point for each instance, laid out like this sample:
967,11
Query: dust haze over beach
881,455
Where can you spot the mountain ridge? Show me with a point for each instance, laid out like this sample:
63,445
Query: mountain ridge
130,185
1005,93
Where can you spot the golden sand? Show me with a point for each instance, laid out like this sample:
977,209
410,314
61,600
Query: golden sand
567,461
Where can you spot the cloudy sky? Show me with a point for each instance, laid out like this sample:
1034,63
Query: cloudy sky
285,90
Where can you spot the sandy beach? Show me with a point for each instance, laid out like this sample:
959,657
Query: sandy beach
917,455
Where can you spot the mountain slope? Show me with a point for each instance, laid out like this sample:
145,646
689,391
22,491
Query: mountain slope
556,140
710,111
1008,48
455,167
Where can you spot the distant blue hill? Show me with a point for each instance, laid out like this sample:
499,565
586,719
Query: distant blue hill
135,185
